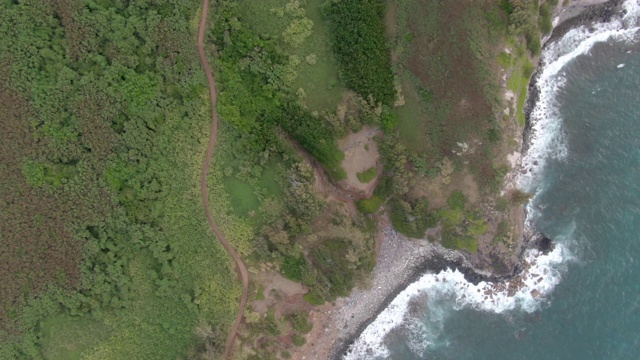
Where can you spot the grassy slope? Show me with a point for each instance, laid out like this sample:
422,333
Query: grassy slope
320,80
444,76
445,57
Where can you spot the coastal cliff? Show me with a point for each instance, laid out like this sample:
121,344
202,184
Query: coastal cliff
403,261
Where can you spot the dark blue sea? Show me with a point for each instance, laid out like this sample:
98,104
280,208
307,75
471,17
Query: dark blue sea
584,168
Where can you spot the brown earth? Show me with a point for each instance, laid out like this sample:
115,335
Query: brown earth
281,294
324,186
360,154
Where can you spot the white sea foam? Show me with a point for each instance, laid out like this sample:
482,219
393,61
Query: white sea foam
542,272
525,293
547,140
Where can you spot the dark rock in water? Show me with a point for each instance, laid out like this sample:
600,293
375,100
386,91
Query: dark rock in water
541,242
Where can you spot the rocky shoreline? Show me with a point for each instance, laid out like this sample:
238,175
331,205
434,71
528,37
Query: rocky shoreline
423,258
344,322
580,13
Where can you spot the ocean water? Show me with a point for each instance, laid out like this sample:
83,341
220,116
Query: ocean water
582,300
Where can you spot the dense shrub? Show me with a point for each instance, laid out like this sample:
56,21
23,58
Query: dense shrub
545,18
338,272
293,267
300,323
314,135
412,219
360,46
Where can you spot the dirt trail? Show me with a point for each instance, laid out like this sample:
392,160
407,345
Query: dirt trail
242,269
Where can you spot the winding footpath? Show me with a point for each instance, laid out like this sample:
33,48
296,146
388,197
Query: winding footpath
242,269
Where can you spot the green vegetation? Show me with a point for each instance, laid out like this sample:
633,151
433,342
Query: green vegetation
367,175
461,226
412,219
107,253
311,65
67,337
519,81
545,21
300,323
528,19
334,268
258,173
242,197
456,200
293,267
371,205
255,99
360,46
106,126
520,197
502,233
449,89
298,340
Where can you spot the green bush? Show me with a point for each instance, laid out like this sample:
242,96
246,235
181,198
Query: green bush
314,135
502,234
527,70
367,175
370,206
520,197
338,272
293,266
389,121
412,219
533,43
314,298
298,340
300,323
545,19
452,240
505,60
456,200
506,6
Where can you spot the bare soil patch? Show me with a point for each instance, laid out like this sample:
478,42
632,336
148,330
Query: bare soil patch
281,294
360,154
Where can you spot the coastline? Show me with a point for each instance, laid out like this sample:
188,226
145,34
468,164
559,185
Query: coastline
578,13
402,261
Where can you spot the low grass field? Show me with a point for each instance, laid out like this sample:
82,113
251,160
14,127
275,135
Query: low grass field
316,70
445,53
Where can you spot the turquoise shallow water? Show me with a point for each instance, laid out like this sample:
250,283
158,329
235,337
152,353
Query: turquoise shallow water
589,201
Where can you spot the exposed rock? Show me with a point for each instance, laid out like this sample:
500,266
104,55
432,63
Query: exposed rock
542,243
